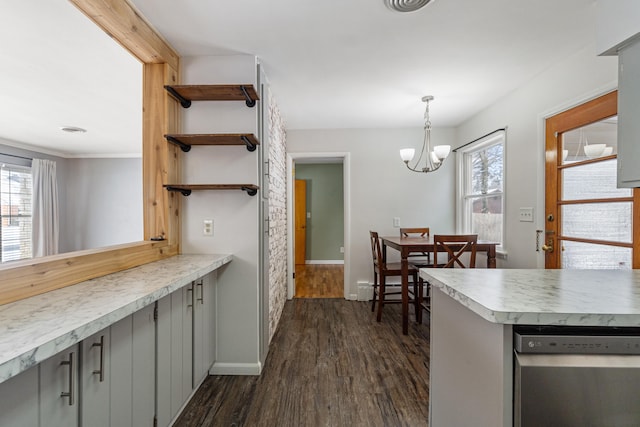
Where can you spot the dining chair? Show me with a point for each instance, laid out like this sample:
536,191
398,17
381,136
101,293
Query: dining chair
419,259
382,270
454,246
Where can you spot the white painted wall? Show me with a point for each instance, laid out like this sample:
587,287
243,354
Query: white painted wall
234,213
617,21
103,202
382,188
571,82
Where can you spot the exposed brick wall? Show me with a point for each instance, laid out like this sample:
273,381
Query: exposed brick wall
277,216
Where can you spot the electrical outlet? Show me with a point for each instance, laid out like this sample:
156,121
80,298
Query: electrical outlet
207,229
526,214
396,221
341,249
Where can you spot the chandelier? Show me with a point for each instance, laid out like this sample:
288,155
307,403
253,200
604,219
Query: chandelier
433,158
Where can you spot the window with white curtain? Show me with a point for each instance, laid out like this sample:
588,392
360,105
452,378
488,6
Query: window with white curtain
481,187
15,212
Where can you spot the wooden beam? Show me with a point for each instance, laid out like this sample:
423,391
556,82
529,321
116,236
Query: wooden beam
161,164
125,25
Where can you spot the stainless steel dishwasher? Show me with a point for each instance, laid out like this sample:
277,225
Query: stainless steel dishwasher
581,377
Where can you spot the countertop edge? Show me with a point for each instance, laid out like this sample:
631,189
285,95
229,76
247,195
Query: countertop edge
29,356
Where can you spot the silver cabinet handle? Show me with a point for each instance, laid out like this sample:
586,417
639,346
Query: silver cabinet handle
101,370
190,289
201,299
70,394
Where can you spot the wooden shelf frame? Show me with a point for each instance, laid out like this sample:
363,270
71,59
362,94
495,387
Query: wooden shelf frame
187,93
186,189
185,141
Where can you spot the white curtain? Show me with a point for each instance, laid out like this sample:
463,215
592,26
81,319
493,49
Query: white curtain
45,208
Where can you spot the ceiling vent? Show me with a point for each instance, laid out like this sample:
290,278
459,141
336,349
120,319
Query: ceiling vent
406,5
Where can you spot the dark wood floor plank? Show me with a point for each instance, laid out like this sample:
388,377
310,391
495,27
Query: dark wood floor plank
330,364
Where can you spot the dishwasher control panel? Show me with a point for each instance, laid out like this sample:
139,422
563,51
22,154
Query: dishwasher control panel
576,344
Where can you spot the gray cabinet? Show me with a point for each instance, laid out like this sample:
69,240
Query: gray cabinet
58,403
19,400
203,327
628,112
117,375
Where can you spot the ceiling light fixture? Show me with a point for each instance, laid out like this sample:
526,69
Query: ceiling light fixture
72,129
406,5
434,158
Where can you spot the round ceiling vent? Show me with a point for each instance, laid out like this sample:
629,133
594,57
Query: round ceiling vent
406,5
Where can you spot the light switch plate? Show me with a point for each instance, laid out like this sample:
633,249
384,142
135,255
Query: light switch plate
396,221
526,214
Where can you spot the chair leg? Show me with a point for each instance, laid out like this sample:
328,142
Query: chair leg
375,292
417,283
381,291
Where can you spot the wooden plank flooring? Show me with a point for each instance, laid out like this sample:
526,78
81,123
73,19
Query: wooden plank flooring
319,281
330,364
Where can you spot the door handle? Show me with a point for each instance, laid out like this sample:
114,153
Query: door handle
70,394
100,371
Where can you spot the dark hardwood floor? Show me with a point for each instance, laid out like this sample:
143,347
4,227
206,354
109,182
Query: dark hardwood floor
330,364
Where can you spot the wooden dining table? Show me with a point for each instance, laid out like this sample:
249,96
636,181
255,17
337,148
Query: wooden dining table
408,245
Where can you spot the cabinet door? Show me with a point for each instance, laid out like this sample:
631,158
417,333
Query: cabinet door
628,112
187,341
199,330
59,389
120,357
94,379
19,400
163,358
210,352
143,369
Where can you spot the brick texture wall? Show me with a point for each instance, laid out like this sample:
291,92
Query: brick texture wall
277,216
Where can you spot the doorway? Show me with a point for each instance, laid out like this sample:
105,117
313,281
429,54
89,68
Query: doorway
319,269
589,222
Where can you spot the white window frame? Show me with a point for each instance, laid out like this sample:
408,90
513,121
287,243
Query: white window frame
463,172
27,171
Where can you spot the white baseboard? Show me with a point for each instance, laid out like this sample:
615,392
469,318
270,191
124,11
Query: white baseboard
236,369
324,261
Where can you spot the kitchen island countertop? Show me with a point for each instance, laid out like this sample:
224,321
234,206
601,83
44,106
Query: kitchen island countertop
544,297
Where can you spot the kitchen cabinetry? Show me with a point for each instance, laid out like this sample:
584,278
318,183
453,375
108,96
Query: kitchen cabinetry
186,344
19,399
628,111
58,389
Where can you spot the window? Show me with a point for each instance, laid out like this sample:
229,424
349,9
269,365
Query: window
15,212
481,188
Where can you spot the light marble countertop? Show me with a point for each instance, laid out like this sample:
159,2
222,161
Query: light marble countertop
544,297
36,328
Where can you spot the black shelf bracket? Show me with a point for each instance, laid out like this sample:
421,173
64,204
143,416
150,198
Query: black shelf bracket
186,103
184,191
184,147
250,102
250,145
250,191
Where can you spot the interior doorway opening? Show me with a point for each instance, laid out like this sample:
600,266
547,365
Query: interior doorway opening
318,225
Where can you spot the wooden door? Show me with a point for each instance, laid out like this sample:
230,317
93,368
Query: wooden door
589,223
300,200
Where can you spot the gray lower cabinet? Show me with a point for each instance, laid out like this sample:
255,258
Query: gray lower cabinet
118,373
186,344
126,375
59,389
45,395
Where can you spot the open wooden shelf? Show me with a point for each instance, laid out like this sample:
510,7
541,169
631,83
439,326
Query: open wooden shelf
186,189
185,141
187,93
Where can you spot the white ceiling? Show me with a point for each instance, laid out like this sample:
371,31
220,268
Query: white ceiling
331,63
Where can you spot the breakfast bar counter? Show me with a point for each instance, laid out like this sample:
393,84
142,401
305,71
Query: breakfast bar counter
34,329
474,311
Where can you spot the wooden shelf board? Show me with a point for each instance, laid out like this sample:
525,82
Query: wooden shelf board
215,92
197,187
215,139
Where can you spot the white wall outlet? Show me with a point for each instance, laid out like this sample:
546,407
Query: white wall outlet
341,249
396,221
207,229
308,214
526,214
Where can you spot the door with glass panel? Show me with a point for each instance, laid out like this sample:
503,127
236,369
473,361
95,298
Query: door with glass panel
590,223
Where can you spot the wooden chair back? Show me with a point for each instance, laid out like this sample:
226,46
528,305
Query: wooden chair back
420,259
421,231
376,250
454,246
